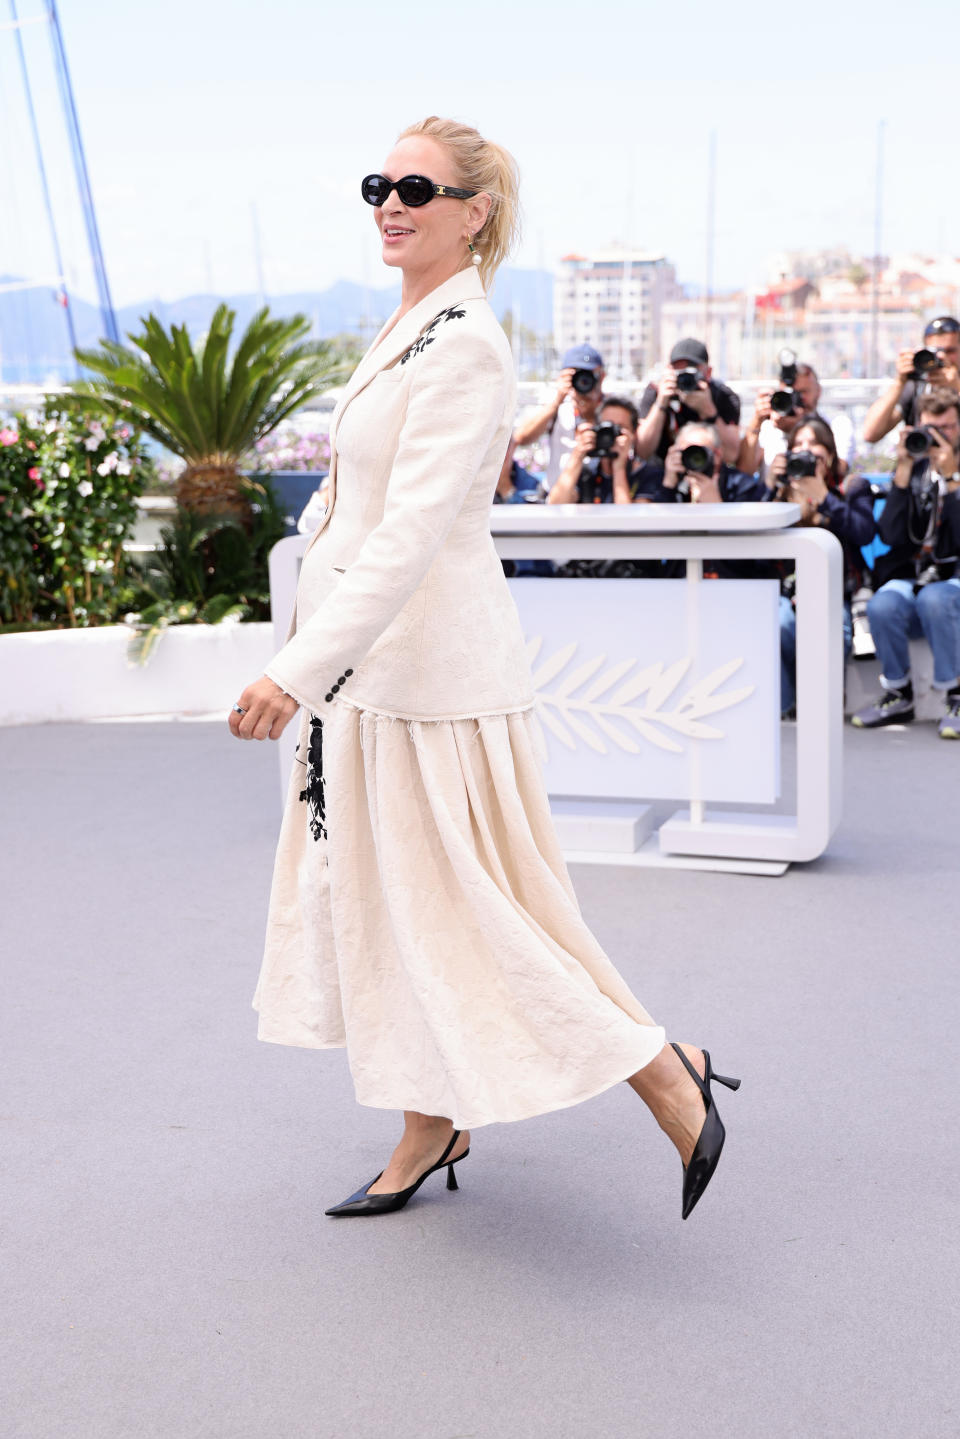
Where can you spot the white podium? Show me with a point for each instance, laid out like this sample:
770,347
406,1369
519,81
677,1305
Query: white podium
655,690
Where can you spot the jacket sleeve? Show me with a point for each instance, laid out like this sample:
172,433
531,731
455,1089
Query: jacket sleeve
458,397
893,524
851,516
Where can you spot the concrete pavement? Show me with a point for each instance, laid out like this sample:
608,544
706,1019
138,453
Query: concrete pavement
167,1270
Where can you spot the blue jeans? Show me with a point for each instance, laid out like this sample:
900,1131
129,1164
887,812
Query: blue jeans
897,615
788,650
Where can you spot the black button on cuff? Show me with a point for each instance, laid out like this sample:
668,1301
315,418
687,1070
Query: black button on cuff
328,698
347,673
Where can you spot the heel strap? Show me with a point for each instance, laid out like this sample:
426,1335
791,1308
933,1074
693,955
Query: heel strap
443,1157
702,1084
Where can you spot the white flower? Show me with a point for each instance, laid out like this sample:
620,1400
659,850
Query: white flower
85,488
124,467
103,469
49,427
64,471
96,428
91,444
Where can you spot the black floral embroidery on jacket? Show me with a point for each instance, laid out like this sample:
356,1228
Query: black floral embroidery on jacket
427,337
313,791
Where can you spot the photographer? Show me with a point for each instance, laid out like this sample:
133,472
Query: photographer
918,580
601,468
936,363
576,402
684,394
516,485
811,475
778,412
695,471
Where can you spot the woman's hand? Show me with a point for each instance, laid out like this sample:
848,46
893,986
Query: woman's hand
776,472
267,711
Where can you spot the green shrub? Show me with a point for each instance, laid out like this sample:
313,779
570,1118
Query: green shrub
68,491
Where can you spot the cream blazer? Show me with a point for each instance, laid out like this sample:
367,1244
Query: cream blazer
402,606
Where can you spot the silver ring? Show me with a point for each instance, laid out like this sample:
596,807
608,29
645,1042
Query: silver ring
238,709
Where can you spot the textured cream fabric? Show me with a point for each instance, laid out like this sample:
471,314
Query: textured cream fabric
402,584
434,932
426,920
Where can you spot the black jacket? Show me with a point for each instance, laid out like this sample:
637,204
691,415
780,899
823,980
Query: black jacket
903,524
850,517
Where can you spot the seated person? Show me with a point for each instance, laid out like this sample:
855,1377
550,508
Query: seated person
610,473
826,500
515,484
668,405
918,581
717,483
695,470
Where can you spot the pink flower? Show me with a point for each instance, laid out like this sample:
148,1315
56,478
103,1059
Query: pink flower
31,444
33,473
8,437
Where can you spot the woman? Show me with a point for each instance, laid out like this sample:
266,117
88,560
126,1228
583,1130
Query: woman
421,914
836,502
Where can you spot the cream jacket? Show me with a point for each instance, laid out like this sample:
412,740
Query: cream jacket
402,606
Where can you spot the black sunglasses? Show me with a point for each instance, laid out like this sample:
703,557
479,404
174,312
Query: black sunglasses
413,190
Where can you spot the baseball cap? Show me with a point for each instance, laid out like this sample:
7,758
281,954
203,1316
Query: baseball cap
942,325
581,357
695,351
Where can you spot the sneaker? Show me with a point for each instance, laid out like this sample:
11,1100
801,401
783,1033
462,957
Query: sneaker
894,707
950,724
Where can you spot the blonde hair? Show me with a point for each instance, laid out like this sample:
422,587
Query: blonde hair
481,165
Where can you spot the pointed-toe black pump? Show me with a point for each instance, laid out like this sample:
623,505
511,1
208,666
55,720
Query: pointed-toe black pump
706,1152
364,1203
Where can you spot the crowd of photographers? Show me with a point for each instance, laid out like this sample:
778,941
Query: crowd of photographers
684,443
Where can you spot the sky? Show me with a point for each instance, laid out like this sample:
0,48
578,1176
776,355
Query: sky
193,112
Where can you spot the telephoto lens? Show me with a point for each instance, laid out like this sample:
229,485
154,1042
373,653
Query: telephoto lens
688,379
783,402
583,381
697,459
918,441
801,465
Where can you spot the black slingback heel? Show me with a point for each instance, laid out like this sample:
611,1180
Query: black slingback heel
706,1153
364,1203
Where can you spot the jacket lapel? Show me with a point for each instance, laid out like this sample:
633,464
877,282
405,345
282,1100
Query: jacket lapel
389,345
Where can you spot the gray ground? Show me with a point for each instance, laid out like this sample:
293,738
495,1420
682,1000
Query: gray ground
168,1270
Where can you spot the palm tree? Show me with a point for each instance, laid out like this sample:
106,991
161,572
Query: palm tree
203,407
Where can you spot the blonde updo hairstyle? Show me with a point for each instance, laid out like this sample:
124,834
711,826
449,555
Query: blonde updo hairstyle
481,165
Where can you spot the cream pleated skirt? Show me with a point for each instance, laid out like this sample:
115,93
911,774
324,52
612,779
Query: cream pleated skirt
422,917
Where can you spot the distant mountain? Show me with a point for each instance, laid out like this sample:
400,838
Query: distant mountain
34,341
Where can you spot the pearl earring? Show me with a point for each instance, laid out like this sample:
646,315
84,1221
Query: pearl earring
474,252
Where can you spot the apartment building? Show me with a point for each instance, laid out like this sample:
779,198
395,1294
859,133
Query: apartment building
613,300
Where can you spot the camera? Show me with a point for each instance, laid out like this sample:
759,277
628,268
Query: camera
605,439
924,361
919,441
801,465
688,380
583,381
785,401
697,460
